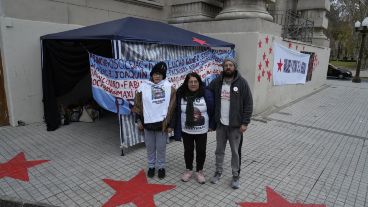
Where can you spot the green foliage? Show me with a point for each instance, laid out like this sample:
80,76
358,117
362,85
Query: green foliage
343,64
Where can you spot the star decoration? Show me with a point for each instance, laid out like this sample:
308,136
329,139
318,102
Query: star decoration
269,74
264,56
266,39
259,78
263,72
290,44
267,62
137,191
275,200
17,167
199,41
279,66
260,66
270,50
260,44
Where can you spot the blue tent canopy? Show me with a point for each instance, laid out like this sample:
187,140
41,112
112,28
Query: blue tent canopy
139,30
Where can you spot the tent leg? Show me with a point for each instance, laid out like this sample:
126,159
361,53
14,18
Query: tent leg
122,152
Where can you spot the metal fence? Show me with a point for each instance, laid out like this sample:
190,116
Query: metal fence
294,26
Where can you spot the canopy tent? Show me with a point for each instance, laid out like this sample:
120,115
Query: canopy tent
65,54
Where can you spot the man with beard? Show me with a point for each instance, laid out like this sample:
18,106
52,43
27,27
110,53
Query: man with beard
233,109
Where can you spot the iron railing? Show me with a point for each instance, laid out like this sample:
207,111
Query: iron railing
293,25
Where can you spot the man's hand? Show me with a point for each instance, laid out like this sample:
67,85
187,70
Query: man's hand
243,128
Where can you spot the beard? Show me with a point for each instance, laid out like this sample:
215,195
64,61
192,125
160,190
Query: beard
228,74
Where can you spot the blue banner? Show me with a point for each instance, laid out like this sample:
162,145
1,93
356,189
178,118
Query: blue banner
115,81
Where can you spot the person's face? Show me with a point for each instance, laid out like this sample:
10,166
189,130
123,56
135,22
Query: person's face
157,77
193,84
229,68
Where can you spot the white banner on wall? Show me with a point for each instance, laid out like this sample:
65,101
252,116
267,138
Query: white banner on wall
290,66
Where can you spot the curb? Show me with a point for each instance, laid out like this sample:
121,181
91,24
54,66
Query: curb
6,201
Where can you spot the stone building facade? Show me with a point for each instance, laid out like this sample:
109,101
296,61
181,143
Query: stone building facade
243,22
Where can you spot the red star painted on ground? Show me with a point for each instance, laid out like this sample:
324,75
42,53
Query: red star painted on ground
137,190
269,74
17,167
270,50
290,44
267,62
259,78
266,39
260,44
263,72
264,56
279,66
275,200
260,66
199,41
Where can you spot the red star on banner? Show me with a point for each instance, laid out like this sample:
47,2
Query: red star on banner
263,72
279,65
259,78
199,41
17,167
267,62
266,39
270,50
260,66
275,200
137,191
269,74
260,44
290,44
264,56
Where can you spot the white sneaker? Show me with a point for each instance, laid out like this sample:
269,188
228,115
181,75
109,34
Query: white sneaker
200,177
186,176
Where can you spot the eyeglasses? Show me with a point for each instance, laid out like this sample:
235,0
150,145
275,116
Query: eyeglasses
157,74
193,82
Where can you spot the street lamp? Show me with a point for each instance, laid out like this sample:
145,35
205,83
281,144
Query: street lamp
361,28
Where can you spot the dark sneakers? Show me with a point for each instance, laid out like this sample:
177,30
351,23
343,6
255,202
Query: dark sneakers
151,172
235,184
161,173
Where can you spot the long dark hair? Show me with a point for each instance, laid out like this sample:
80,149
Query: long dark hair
190,97
184,89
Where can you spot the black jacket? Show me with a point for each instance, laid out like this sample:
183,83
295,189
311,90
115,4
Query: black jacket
176,123
241,101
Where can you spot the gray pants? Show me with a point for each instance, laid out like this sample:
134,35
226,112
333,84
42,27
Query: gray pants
156,148
224,133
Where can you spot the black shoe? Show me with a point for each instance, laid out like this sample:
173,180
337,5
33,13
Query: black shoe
151,172
161,173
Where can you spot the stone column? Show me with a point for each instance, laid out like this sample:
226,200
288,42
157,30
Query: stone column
316,10
194,10
241,9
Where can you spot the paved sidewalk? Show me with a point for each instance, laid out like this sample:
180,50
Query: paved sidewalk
313,151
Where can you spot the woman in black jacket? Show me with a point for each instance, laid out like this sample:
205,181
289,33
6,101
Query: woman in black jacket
194,118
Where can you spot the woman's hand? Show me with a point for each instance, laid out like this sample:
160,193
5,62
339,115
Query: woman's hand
140,126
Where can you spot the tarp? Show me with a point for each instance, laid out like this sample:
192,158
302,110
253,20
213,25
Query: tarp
139,30
65,54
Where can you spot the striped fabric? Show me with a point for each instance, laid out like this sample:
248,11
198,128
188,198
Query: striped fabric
129,133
